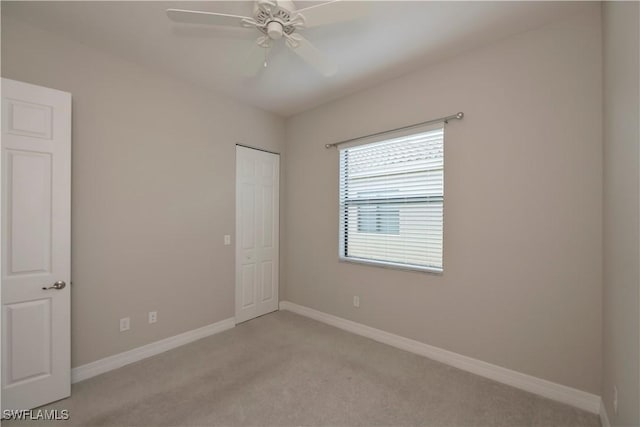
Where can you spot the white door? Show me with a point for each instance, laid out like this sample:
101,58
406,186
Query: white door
257,231
36,213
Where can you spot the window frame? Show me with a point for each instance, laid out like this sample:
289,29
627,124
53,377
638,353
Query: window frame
342,210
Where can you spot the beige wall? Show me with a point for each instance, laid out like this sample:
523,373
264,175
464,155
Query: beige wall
621,315
153,194
523,206
153,190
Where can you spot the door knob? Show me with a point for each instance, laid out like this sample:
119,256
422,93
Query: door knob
58,285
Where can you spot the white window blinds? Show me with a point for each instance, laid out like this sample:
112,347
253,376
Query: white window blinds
391,201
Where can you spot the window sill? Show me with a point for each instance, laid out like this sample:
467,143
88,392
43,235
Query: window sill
391,265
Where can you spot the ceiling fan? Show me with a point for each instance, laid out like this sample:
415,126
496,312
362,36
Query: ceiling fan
276,19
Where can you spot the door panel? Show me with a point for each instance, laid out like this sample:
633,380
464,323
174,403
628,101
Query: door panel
257,217
267,216
36,223
29,119
247,216
28,328
29,220
248,286
267,281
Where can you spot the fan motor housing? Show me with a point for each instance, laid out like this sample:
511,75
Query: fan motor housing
274,30
273,20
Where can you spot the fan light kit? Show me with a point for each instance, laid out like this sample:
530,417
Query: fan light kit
278,19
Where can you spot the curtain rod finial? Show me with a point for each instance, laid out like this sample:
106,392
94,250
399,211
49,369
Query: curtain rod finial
460,115
328,145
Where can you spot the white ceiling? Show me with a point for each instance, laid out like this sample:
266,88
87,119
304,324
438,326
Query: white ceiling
394,38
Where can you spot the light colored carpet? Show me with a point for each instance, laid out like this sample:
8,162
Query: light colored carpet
284,369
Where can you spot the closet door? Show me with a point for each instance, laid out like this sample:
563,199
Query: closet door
257,231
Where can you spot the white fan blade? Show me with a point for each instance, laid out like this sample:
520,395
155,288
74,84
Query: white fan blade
305,50
254,61
207,18
333,12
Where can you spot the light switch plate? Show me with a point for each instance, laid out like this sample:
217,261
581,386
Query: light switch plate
125,324
227,240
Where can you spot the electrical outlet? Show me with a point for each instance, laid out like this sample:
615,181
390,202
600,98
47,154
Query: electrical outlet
615,400
125,324
356,301
227,240
153,316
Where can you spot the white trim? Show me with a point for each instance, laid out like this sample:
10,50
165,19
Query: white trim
561,393
118,360
604,418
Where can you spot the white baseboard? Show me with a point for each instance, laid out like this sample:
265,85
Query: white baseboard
571,396
604,418
118,360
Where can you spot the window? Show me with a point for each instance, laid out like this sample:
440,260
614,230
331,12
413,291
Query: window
391,201
378,219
